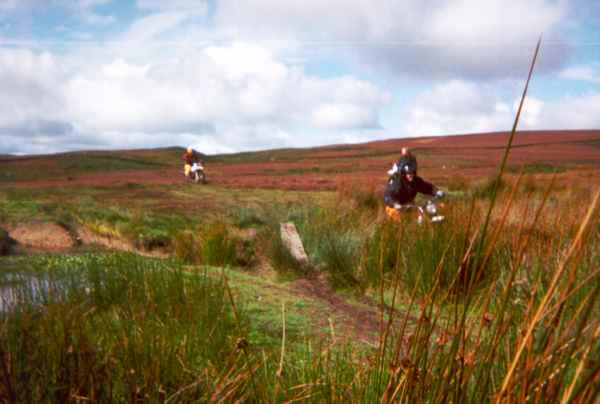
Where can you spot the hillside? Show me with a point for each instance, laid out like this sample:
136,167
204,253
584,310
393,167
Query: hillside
469,156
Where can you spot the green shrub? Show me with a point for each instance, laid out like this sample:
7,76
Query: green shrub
247,218
340,254
212,244
218,245
381,251
457,182
186,247
360,196
542,168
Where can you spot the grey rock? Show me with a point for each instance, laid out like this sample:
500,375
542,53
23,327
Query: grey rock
291,239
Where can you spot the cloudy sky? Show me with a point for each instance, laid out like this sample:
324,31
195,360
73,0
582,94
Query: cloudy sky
234,75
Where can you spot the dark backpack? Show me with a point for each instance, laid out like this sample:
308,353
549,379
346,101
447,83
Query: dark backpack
408,159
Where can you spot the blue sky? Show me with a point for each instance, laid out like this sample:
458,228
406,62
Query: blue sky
226,76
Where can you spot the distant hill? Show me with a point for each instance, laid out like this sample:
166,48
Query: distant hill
325,167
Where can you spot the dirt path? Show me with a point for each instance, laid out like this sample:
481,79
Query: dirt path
39,236
352,319
88,237
360,320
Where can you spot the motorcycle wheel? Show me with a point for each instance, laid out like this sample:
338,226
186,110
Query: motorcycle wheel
199,177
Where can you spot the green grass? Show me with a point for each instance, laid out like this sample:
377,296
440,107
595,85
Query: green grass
262,300
593,141
464,329
74,164
538,168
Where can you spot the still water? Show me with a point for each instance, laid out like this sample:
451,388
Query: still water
21,288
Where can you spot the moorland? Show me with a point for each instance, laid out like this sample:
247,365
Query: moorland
122,281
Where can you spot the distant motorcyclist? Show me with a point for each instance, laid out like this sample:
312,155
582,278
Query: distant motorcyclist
190,157
402,187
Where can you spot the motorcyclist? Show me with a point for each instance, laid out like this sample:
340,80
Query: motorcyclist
190,157
402,187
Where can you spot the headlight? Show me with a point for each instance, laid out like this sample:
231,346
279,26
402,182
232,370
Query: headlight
431,209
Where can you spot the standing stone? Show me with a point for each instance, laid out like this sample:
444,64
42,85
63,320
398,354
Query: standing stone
291,239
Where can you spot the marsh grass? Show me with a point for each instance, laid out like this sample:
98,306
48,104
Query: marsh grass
457,182
140,332
340,254
487,188
245,217
359,196
214,244
114,328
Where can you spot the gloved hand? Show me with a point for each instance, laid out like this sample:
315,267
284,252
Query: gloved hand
397,206
439,193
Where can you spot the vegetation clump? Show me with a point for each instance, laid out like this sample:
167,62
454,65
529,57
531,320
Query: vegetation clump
113,328
214,244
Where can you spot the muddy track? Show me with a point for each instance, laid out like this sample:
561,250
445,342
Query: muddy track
361,319
40,236
353,320
88,237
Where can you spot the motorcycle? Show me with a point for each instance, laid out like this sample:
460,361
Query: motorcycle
429,210
197,173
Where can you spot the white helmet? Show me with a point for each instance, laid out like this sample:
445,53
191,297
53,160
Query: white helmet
189,149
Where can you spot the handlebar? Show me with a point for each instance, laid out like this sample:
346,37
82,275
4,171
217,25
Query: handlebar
427,209
407,206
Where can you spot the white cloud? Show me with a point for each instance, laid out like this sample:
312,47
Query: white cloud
465,38
459,107
249,78
226,98
243,60
224,84
572,112
150,26
582,73
29,99
532,113
492,21
456,107
340,116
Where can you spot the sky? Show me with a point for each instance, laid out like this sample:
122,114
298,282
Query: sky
230,75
